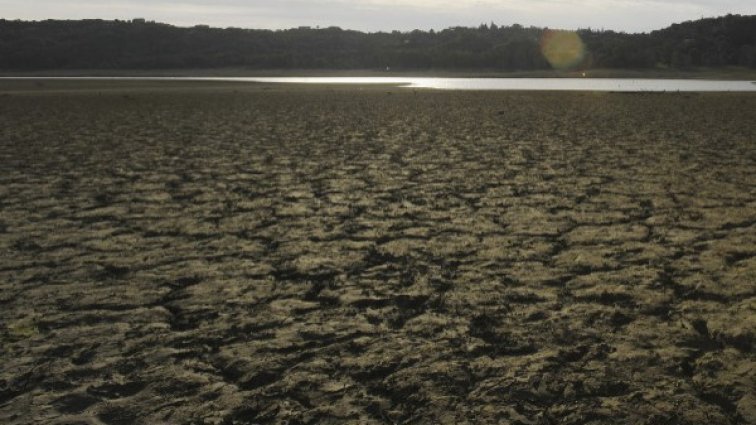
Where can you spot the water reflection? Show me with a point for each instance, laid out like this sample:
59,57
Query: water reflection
537,84
569,84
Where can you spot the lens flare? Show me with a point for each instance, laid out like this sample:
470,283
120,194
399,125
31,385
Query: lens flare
563,49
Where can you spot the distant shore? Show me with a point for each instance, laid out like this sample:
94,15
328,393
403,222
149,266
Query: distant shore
730,73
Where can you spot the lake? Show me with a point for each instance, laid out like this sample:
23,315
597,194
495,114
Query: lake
537,84
569,84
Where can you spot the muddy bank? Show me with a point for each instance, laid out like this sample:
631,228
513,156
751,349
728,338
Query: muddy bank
252,254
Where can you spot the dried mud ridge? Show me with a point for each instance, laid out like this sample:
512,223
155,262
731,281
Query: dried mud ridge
379,256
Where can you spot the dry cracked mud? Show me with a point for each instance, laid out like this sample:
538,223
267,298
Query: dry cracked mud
248,254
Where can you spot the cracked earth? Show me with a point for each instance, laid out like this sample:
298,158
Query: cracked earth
249,254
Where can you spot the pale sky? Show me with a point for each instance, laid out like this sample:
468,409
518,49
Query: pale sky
386,15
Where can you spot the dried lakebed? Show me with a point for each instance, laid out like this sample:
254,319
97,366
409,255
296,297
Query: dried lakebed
235,254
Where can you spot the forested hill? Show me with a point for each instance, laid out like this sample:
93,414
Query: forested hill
98,44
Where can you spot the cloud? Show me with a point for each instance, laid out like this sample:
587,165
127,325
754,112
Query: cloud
373,15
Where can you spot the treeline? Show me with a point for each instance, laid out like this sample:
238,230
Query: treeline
99,44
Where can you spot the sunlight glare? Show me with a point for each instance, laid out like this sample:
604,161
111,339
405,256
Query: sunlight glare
563,49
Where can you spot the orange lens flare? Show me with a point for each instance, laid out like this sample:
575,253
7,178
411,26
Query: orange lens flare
563,49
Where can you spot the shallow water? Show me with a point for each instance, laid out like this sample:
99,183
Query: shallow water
538,84
568,84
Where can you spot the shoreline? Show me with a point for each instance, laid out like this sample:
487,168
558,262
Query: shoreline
703,74
618,85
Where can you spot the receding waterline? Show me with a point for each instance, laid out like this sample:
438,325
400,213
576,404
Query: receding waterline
510,84
547,84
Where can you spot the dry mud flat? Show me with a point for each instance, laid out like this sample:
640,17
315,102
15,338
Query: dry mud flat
230,254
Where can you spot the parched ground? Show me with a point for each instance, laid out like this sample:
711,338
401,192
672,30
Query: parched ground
247,254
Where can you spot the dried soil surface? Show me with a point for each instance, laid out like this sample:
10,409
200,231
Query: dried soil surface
248,254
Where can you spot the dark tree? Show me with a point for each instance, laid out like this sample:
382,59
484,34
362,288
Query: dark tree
99,44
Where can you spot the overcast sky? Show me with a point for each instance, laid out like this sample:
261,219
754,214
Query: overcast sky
376,15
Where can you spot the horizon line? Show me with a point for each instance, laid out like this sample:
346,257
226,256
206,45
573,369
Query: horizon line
142,20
